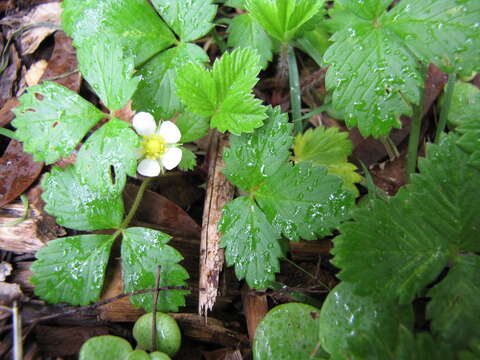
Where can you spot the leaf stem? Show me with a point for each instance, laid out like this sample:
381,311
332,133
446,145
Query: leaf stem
295,99
300,268
218,40
452,78
136,203
25,213
414,137
154,311
8,133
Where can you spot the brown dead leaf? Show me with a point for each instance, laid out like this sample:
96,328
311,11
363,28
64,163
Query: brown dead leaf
390,176
35,73
17,172
156,209
9,76
6,114
63,64
31,39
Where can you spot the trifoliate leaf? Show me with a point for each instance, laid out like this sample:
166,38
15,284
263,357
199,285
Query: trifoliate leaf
346,315
245,32
250,242
189,160
224,94
293,200
302,201
331,148
253,157
156,91
108,156
374,68
106,347
411,238
72,269
288,331
454,309
283,19
465,104
192,127
133,23
189,19
108,70
76,205
52,120
142,251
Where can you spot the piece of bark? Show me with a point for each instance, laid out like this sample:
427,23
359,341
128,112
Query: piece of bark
63,62
255,308
31,234
9,76
219,192
62,341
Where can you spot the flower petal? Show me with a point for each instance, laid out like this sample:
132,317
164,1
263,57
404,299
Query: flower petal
171,158
144,124
149,167
170,132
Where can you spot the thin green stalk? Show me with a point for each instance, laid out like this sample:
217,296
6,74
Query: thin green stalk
295,99
414,137
452,78
8,133
136,203
218,40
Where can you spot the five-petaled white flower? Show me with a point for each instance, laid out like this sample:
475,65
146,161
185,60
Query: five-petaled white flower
159,145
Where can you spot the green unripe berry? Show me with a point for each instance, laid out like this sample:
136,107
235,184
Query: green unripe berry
168,333
138,355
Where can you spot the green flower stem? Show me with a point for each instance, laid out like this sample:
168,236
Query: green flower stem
136,203
295,98
8,133
452,78
218,40
414,137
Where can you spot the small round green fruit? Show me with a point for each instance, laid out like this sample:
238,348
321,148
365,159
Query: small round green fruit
169,337
138,355
157,355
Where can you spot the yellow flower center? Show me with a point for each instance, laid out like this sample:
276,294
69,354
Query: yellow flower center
153,146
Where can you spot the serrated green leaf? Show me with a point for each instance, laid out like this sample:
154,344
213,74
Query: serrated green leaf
250,242
288,331
293,200
132,23
192,127
473,353
108,70
412,237
245,32
470,139
239,4
72,269
454,309
443,32
331,148
346,315
189,19
76,205
156,91
283,19
374,68
253,157
224,94
189,160
302,201
106,347
108,156
142,251
51,121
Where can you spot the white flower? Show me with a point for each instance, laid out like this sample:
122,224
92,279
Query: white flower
159,145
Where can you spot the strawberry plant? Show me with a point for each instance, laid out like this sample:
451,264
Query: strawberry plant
294,182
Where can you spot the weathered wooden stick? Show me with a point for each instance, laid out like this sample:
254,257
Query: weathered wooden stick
219,192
